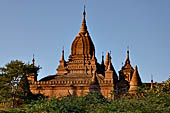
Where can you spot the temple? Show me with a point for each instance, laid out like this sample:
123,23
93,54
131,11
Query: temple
82,73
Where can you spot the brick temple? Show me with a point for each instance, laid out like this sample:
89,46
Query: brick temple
82,73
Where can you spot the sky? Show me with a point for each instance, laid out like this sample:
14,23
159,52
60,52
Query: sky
44,27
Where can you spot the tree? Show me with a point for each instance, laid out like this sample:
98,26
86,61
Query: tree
14,86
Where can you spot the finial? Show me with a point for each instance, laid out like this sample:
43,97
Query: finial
127,57
84,12
109,65
128,52
62,58
102,58
107,56
83,28
33,60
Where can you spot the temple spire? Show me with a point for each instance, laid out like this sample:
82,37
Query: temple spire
62,61
109,65
127,62
83,28
33,60
135,81
107,60
62,58
84,11
102,58
127,57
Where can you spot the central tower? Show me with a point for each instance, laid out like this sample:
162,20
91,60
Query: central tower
82,59
82,46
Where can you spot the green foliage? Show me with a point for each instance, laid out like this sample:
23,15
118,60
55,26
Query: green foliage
153,101
95,103
69,104
14,86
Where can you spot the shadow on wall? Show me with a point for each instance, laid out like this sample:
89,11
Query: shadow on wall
80,91
76,91
94,86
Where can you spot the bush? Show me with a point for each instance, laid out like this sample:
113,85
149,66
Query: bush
156,100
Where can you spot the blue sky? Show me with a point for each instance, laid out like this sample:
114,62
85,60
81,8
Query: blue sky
43,27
